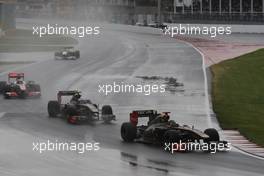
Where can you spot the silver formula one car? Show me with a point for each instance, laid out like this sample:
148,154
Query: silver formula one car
17,87
67,53
78,110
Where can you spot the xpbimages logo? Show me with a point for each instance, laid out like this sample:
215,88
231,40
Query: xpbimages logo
211,147
50,146
78,31
187,29
146,89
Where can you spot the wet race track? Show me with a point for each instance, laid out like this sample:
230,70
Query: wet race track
128,55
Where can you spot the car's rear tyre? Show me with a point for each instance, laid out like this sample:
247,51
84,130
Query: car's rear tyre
77,54
57,55
6,96
36,88
128,132
107,110
2,86
213,135
7,89
53,108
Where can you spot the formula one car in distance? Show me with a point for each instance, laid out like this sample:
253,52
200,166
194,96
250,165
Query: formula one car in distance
78,110
67,53
161,130
158,25
17,87
144,23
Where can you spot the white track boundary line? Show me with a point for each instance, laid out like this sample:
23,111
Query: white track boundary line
207,104
247,153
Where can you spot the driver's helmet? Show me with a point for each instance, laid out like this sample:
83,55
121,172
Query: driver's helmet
165,117
77,96
19,82
18,78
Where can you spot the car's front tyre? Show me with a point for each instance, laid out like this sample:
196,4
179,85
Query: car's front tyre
213,135
128,132
107,114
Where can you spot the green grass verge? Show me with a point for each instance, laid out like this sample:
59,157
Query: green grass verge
24,41
238,95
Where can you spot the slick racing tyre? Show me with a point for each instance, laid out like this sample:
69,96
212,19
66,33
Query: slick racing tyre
107,110
107,114
35,88
128,132
77,54
53,108
57,55
2,86
6,96
213,135
7,89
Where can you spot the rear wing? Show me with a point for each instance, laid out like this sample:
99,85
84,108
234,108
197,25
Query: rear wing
134,115
66,93
68,47
16,75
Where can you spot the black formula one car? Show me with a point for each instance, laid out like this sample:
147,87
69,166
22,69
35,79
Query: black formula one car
16,87
161,130
158,25
67,53
78,110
